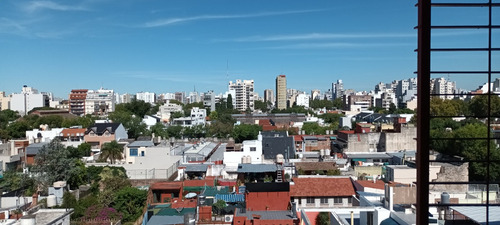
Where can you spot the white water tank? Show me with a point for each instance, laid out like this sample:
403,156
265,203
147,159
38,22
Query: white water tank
279,158
243,159
322,152
28,220
327,152
249,159
51,201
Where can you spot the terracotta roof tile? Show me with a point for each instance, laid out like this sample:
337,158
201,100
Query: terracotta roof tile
73,132
324,186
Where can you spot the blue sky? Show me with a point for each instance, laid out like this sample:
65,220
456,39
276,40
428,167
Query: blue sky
167,46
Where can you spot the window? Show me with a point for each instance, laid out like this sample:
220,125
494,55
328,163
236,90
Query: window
310,200
133,152
253,149
324,200
337,200
142,153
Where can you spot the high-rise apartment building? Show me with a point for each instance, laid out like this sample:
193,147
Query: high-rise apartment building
244,94
209,100
100,102
148,97
29,99
181,97
338,89
77,101
281,92
269,96
443,87
4,101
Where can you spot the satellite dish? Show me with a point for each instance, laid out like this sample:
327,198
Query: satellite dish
191,195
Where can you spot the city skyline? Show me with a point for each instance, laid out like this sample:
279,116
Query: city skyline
157,46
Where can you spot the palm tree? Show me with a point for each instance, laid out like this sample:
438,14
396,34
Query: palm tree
112,151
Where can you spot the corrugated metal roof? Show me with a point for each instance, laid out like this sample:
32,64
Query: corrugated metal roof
141,144
175,212
256,168
368,156
478,213
231,197
165,220
196,167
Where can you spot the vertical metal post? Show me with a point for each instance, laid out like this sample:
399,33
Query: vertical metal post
423,112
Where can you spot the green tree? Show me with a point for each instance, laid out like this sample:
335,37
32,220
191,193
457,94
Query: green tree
159,130
332,118
230,101
133,123
323,218
440,107
187,108
53,163
337,103
319,104
175,115
174,131
7,116
112,151
219,206
130,202
313,128
478,105
261,105
197,131
244,132
18,129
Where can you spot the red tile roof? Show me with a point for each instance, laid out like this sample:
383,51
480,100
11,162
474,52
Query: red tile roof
321,187
369,184
73,132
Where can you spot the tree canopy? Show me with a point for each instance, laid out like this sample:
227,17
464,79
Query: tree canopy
112,151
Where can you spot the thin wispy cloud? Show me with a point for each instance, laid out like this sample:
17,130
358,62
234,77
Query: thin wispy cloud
330,45
173,21
50,5
318,36
165,76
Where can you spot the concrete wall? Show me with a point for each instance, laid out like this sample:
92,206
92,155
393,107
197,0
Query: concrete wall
382,141
369,170
449,172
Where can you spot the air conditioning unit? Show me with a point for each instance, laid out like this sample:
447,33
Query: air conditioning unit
228,218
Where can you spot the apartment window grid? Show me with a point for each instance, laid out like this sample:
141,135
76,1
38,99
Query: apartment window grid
485,165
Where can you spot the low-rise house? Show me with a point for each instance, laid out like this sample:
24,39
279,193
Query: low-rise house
276,143
307,143
251,151
44,134
32,150
322,191
73,136
136,149
100,133
143,160
197,117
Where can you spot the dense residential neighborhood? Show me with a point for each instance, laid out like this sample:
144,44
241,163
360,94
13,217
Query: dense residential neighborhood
334,157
